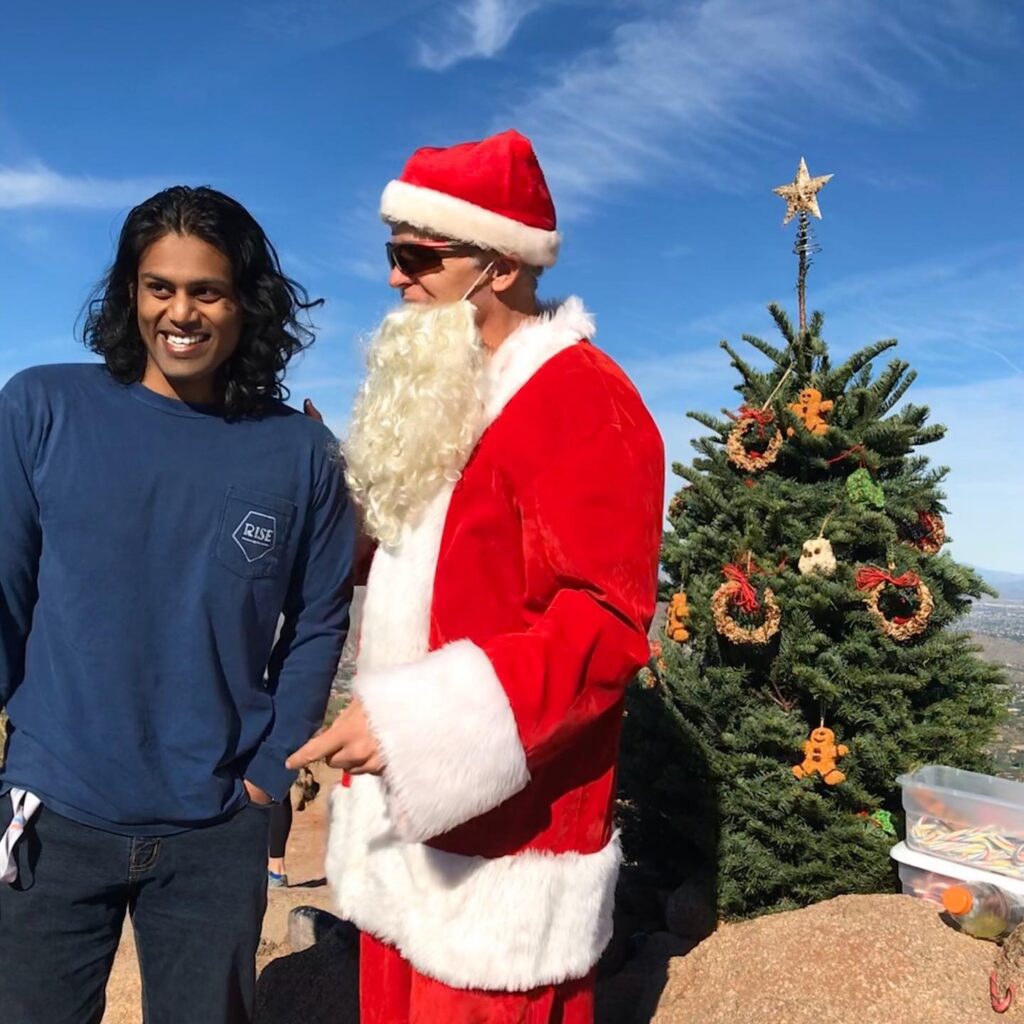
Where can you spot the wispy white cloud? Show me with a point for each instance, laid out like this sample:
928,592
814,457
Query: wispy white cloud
473,28
960,323
903,182
324,24
952,314
955,317
35,185
696,89
360,240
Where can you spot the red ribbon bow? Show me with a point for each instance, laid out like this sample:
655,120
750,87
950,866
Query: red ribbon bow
762,417
743,596
871,577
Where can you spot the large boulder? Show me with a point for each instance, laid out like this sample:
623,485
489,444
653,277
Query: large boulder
631,995
850,960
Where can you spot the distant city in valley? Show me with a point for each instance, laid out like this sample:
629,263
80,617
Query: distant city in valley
997,619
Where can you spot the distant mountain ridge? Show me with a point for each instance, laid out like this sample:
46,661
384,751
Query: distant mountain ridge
1009,584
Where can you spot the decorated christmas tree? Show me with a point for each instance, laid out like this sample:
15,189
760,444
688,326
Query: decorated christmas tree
811,652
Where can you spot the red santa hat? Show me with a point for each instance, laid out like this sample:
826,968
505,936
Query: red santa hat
491,193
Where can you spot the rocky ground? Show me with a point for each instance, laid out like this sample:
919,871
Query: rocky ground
852,960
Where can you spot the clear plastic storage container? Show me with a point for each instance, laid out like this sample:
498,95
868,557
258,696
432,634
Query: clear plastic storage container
928,877
966,817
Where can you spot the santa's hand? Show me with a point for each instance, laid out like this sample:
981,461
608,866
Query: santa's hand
312,411
348,744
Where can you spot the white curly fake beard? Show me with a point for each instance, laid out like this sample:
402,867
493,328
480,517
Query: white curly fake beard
418,414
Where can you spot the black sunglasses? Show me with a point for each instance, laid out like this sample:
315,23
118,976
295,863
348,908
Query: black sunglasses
413,258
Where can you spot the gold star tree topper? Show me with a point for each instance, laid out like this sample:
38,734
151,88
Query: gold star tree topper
801,194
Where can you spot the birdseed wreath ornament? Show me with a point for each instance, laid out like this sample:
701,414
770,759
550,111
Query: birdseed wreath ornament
874,581
737,592
750,459
928,533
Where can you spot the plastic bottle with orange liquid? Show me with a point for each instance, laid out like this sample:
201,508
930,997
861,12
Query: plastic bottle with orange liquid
982,909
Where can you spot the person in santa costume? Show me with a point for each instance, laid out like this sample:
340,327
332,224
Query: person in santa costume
513,481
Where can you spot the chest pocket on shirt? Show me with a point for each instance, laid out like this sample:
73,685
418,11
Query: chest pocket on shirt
254,530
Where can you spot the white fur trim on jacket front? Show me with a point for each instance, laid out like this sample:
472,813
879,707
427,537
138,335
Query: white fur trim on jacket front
396,611
507,924
457,754
457,219
527,349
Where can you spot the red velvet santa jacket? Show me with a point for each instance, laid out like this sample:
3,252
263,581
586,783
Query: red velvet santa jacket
497,641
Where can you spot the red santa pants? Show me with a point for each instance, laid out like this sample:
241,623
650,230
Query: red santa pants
392,992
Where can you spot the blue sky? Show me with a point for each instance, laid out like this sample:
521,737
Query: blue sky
662,126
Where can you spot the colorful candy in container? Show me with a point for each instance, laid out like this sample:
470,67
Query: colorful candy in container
966,817
928,877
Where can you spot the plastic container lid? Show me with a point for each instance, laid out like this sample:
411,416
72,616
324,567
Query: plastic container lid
962,784
957,899
903,854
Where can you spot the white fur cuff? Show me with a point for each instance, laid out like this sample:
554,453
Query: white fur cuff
449,739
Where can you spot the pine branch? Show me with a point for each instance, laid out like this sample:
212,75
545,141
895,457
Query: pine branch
928,435
899,392
842,375
784,324
751,377
888,379
776,355
862,379
713,423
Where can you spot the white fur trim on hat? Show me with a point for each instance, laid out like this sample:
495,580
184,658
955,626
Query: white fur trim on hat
462,221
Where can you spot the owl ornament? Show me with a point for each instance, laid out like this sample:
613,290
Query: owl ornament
817,558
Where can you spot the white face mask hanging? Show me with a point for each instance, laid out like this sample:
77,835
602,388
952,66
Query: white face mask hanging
473,287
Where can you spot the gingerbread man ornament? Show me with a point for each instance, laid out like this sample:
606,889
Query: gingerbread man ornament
820,754
811,409
678,613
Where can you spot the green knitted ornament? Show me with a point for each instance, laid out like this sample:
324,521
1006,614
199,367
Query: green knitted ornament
883,819
862,489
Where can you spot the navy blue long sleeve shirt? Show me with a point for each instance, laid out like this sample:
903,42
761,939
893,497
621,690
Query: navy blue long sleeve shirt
148,549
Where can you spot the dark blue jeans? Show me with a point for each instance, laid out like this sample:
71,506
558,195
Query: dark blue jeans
196,899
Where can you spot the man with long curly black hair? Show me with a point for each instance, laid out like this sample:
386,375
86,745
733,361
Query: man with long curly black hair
161,511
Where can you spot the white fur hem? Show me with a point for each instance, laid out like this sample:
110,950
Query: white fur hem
449,738
507,924
442,214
